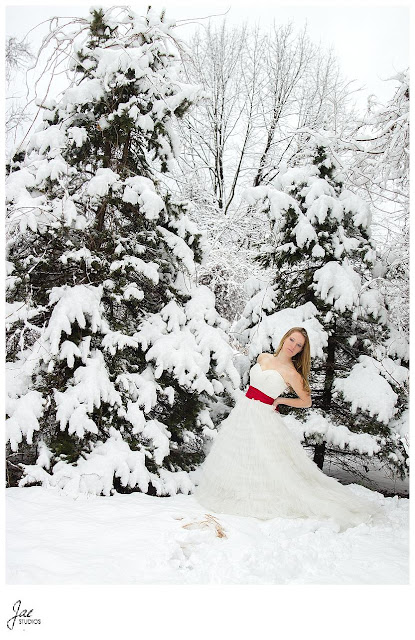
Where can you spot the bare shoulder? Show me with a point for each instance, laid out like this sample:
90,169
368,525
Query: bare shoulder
263,357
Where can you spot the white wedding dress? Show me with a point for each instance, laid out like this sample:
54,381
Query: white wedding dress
257,468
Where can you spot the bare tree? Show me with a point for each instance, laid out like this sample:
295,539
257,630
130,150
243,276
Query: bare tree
260,90
380,171
287,60
264,92
218,132
320,100
18,56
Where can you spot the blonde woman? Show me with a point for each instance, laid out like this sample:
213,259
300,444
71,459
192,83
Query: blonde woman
257,468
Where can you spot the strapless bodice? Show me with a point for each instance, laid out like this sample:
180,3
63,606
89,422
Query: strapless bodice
269,381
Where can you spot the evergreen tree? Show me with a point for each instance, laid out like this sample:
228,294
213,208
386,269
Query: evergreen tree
323,262
114,355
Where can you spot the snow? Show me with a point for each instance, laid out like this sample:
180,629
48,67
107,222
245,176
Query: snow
142,387
78,134
278,200
262,300
55,539
145,122
319,190
188,341
317,251
361,211
29,212
113,60
189,350
335,434
304,231
79,255
371,301
148,269
88,91
69,351
372,472
17,182
140,190
323,207
54,169
53,137
94,474
72,303
338,285
30,209
114,341
23,421
100,184
392,371
397,344
15,311
179,248
366,389
91,387
159,434
132,290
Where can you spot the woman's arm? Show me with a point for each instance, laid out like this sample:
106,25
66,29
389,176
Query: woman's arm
295,380
292,402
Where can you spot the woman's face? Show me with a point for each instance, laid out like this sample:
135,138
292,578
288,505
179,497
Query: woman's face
294,343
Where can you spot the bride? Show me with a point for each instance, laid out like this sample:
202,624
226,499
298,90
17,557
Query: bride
257,468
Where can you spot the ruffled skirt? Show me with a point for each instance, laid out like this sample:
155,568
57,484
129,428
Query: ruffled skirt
257,468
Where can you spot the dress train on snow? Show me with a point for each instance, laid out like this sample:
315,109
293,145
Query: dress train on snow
257,468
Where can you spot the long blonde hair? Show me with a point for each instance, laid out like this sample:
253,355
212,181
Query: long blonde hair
302,359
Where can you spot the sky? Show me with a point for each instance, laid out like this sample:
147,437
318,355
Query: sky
371,41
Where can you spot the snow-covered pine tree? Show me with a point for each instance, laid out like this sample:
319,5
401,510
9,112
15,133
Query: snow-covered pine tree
323,262
114,354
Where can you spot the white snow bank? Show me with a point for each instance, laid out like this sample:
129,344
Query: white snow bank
54,539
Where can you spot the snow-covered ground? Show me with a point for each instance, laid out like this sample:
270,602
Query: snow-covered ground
141,539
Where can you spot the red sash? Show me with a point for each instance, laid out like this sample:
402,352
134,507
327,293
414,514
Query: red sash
256,394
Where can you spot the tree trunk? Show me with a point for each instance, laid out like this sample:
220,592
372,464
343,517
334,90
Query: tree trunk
319,451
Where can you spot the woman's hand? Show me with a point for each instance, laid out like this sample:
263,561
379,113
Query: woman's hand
275,404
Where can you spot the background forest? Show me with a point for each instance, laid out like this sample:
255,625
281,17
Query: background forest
176,208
